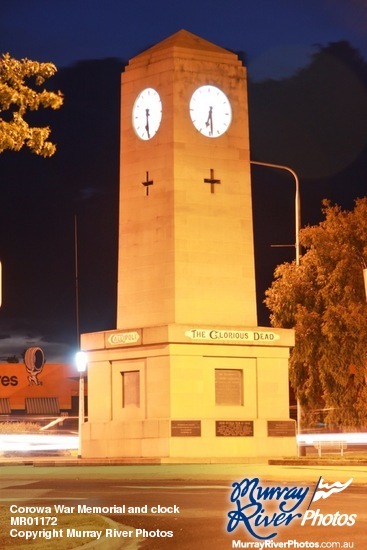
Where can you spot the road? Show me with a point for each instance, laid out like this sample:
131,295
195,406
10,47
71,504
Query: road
200,507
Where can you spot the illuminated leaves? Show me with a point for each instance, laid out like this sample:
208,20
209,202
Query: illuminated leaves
324,300
19,81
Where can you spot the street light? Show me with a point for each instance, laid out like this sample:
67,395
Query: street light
297,203
297,217
81,365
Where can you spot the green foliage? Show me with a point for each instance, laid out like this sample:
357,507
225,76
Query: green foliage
19,93
324,300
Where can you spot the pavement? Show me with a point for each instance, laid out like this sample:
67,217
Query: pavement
272,470
284,470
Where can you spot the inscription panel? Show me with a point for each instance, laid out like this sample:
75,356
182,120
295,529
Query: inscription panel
281,428
130,388
185,428
228,387
234,428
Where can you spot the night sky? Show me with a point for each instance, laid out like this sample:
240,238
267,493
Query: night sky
90,41
277,36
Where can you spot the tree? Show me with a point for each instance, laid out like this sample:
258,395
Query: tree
324,300
18,80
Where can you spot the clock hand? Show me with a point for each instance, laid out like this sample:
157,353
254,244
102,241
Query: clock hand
147,122
209,121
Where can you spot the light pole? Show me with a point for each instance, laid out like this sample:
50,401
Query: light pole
297,202
81,365
297,217
76,280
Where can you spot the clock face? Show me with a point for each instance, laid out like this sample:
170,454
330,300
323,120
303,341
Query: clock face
210,111
147,113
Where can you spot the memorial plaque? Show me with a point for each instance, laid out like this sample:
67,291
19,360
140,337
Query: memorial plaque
130,388
185,428
228,387
234,428
281,428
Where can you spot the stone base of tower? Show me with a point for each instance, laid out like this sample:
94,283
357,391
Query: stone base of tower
184,393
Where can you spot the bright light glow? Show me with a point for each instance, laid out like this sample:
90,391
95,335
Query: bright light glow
81,360
35,442
210,111
358,438
147,113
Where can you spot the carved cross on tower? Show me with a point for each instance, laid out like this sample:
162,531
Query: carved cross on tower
147,183
211,180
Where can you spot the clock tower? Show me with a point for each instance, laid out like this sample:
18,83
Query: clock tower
187,373
186,239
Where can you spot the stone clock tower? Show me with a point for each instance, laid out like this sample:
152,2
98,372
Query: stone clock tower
186,240
187,373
